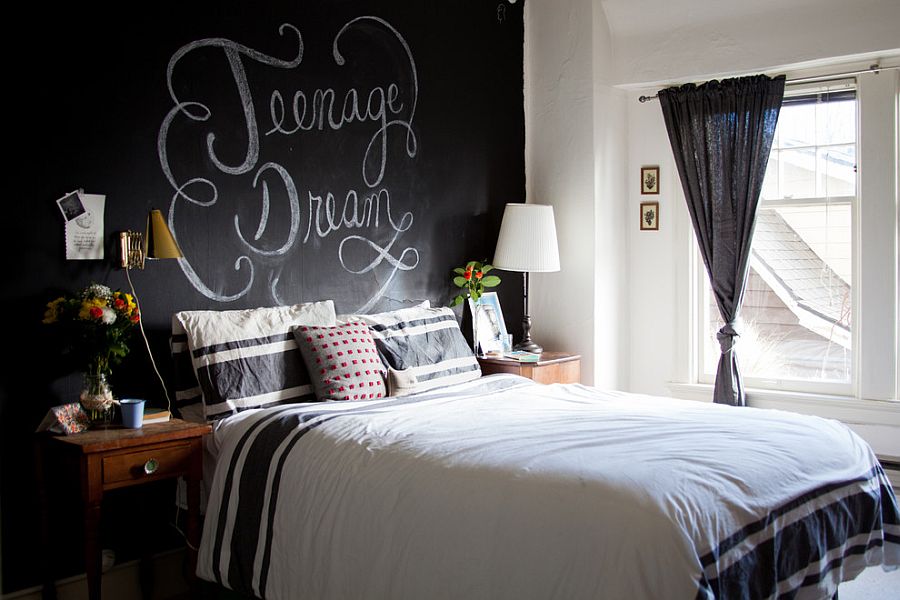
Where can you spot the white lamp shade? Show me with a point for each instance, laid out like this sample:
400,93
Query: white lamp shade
527,240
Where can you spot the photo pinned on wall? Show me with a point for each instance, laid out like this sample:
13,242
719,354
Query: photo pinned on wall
71,205
488,325
649,180
649,216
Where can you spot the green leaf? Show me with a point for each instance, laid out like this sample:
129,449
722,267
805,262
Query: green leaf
475,295
490,281
459,271
471,264
460,281
457,301
487,268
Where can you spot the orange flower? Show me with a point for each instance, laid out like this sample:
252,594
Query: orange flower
135,317
96,312
468,275
479,275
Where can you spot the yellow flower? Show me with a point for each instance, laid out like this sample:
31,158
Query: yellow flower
88,305
51,315
124,303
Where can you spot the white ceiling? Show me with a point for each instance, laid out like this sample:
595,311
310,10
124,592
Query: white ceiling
655,42
642,17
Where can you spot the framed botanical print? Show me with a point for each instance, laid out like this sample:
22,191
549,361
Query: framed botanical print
649,180
649,216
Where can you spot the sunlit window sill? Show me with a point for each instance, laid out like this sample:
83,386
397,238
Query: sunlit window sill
848,409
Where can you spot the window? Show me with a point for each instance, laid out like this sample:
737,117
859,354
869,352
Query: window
798,303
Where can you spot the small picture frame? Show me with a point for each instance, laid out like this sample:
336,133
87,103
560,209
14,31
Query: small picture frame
488,326
650,180
649,216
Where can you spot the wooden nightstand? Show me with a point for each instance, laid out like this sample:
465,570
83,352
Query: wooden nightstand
107,459
553,367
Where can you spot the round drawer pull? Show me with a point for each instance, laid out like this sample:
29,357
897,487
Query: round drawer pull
151,466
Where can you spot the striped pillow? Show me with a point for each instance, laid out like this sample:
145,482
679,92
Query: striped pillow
188,398
246,358
426,344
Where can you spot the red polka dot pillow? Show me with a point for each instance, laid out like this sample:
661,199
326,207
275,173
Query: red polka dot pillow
342,361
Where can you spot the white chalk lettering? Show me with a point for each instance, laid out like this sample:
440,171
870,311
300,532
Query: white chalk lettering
385,106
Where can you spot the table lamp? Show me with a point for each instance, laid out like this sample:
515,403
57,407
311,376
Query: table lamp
527,243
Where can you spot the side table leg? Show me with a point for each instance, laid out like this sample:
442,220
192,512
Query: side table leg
193,517
92,560
92,497
48,592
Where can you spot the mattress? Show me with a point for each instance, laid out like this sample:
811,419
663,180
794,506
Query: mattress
503,488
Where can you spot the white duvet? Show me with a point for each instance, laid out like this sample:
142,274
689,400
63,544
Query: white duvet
502,488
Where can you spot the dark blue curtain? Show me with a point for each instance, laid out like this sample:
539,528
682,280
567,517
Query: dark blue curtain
721,134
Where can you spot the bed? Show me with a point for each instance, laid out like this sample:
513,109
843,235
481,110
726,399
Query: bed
461,486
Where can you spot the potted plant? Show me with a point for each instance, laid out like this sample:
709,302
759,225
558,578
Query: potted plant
473,279
95,324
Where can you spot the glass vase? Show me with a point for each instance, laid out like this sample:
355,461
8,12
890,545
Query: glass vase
476,316
97,398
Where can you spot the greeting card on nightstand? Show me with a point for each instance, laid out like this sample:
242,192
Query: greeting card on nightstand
67,419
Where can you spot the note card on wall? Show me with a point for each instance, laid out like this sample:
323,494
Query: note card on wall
84,234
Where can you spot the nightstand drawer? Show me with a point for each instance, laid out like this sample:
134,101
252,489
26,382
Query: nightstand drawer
159,462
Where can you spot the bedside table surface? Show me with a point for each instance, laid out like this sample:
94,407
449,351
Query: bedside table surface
553,367
547,358
115,437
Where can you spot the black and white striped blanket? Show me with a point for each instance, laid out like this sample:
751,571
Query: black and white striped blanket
501,488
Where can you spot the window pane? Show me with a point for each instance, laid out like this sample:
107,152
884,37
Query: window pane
798,173
797,303
836,171
836,122
825,229
796,126
770,187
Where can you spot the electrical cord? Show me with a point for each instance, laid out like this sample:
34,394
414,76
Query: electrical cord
146,342
162,383
178,529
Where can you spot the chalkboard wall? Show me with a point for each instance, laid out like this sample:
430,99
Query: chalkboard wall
353,150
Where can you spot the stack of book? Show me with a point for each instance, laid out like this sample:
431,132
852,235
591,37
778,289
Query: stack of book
522,356
156,415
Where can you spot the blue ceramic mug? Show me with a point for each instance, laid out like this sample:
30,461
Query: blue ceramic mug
132,412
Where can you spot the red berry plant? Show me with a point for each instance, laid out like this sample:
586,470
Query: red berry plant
473,279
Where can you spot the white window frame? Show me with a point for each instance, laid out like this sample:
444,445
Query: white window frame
876,324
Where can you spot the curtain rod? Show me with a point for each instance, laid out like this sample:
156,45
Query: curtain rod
833,77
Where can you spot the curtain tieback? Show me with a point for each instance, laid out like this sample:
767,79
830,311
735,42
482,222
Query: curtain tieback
726,337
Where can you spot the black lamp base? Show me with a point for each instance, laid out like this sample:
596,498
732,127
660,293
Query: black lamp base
527,344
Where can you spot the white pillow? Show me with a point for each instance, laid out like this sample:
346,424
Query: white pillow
249,358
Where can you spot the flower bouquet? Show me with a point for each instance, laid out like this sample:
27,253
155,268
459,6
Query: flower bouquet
96,324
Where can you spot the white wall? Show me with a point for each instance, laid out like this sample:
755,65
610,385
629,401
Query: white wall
656,275
574,155
611,334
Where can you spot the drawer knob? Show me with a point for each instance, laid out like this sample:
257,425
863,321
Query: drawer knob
151,466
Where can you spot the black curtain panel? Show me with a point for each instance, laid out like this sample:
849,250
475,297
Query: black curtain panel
721,134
